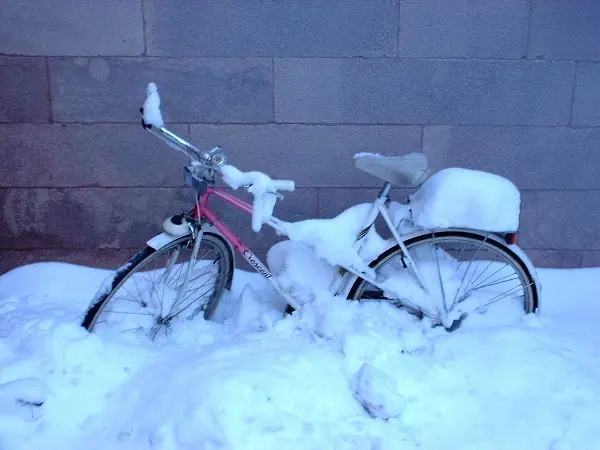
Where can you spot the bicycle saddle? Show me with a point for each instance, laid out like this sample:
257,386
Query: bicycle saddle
409,170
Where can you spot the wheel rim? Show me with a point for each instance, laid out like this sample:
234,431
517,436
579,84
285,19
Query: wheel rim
464,274
150,300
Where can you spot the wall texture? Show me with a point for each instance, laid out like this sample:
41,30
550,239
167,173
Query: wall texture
293,88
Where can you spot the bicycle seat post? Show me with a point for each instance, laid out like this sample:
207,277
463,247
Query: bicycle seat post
385,190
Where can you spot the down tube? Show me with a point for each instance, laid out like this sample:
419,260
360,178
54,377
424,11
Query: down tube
252,259
239,245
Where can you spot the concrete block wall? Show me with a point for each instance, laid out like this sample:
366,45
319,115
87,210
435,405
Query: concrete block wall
293,88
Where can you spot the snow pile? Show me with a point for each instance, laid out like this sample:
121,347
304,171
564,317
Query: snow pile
341,375
151,113
334,240
467,198
377,392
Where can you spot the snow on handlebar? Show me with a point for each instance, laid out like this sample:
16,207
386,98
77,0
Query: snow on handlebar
261,186
151,110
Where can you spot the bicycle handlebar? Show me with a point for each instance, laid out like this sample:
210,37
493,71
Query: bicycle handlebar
214,159
257,183
176,142
283,185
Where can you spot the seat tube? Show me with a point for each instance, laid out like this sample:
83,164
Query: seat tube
385,190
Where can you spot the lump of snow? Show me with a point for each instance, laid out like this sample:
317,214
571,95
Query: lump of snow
375,391
254,312
333,239
293,263
467,198
152,115
261,186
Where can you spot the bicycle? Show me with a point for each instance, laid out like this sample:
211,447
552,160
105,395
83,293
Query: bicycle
196,258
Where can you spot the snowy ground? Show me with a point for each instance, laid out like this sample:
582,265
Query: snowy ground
299,384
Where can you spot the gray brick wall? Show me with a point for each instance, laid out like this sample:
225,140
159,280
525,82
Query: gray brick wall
293,88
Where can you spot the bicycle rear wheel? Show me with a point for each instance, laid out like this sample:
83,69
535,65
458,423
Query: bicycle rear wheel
462,269
146,296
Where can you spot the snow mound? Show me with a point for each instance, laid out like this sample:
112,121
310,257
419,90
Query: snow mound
467,198
334,239
376,391
340,375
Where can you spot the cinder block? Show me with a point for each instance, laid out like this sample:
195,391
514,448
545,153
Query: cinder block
102,258
23,90
312,156
462,28
119,218
77,155
191,89
587,95
271,28
65,27
565,30
85,218
555,258
423,91
335,201
560,220
591,259
531,157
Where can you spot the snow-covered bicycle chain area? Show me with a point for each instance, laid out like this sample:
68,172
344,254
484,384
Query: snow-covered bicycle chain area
345,375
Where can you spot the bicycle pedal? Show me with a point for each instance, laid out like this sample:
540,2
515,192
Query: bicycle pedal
176,225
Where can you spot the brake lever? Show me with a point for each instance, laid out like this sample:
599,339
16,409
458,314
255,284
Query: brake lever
276,194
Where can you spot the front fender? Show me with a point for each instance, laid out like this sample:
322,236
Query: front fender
164,238
160,240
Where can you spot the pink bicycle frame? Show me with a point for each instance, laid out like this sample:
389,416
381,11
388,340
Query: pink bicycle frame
202,211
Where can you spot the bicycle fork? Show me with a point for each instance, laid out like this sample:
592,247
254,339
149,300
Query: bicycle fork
197,234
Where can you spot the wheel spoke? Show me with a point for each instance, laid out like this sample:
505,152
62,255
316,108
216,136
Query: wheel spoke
190,283
466,263
506,279
187,306
128,312
503,295
437,262
157,277
466,272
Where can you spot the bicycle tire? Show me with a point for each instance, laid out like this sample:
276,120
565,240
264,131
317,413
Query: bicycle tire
142,258
527,281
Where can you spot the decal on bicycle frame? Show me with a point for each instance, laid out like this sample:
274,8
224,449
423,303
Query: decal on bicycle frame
360,236
364,232
255,262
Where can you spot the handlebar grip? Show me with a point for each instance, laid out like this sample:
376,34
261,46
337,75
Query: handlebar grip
284,185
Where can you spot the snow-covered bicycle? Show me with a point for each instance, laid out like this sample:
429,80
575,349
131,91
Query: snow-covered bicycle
440,273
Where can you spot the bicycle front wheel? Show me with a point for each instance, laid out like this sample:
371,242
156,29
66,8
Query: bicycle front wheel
461,269
149,294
